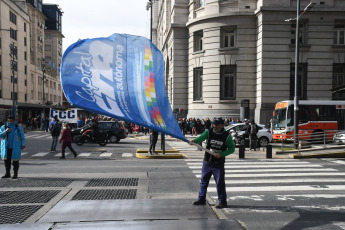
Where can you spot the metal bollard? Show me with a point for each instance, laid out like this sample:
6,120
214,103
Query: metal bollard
242,150
269,151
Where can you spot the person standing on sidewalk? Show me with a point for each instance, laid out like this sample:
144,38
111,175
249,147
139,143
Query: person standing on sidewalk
12,143
55,130
253,129
221,144
66,139
153,141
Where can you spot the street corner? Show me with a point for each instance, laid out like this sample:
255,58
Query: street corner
169,154
319,155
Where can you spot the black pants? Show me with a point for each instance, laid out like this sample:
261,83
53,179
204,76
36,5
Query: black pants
153,142
8,163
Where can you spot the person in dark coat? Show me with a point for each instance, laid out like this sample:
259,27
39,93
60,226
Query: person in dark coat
66,139
153,141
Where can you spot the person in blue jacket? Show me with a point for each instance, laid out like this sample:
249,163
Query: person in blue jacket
12,143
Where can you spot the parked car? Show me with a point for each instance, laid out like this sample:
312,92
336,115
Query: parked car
114,129
264,134
339,137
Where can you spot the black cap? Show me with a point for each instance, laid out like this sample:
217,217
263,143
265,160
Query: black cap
10,117
218,121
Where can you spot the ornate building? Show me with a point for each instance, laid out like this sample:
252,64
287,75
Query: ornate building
30,75
224,55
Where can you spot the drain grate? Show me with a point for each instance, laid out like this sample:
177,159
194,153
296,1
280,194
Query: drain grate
105,194
17,214
27,196
103,182
36,182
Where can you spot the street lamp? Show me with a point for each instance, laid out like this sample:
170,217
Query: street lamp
13,54
296,101
43,67
149,5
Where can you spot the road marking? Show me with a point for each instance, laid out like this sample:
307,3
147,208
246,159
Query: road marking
281,175
23,153
264,166
127,155
40,154
106,154
276,170
281,188
60,154
255,163
84,154
276,181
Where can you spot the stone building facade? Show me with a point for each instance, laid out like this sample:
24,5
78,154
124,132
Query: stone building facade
222,54
23,25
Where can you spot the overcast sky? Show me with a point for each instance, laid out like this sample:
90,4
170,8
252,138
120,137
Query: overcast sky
101,18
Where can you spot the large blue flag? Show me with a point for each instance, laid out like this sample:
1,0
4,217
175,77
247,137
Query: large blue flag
121,76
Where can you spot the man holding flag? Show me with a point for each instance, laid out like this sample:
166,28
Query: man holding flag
221,144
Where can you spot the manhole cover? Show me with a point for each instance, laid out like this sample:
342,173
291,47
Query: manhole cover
27,196
103,182
105,194
17,214
36,182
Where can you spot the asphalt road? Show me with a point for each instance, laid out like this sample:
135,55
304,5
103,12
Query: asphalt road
262,193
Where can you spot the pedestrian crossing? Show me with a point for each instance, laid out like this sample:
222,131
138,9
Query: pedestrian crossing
80,155
284,176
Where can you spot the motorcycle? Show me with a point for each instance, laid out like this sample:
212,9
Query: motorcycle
240,138
90,136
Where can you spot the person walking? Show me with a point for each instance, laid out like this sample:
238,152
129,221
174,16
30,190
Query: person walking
66,139
221,144
55,130
12,143
153,141
253,138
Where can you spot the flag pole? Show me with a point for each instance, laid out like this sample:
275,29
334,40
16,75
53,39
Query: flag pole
202,148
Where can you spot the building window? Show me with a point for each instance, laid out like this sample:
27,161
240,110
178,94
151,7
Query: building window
25,70
25,55
48,48
228,37
13,18
200,3
24,27
13,34
24,41
198,37
48,36
302,76
339,33
197,84
303,24
227,82
338,80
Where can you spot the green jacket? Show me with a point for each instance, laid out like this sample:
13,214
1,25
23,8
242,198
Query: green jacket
229,142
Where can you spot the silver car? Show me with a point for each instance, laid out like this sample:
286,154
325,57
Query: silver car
339,137
264,135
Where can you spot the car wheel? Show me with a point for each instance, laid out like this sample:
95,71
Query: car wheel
263,141
114,139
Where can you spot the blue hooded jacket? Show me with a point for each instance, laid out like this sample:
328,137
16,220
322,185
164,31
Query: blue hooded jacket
17,139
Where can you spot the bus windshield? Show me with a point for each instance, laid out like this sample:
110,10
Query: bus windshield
281,120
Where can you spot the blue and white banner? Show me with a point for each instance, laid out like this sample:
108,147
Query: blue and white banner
121,76
68,116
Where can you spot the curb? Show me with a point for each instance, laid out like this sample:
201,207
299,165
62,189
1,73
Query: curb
169,154
322,155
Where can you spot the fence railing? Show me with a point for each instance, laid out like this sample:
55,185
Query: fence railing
318,140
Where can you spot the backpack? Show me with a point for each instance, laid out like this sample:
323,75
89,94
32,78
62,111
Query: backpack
253,129
56,130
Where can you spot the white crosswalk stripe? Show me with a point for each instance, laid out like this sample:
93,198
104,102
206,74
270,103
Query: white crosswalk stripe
40,154
274,175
